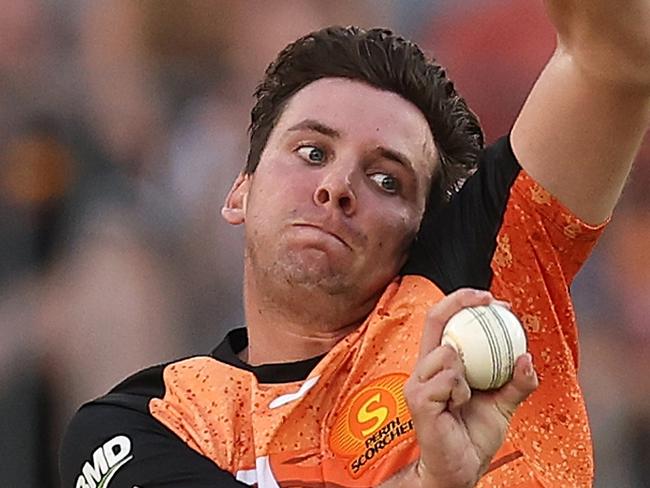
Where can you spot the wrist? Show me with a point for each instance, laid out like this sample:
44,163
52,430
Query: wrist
426,479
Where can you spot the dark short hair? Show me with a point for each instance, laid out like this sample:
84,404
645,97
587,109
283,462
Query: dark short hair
385,61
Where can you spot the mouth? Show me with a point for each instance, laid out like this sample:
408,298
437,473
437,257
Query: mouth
324,230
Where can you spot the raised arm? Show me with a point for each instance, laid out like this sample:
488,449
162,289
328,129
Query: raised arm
585,119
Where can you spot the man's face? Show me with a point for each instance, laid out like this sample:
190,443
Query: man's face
339,191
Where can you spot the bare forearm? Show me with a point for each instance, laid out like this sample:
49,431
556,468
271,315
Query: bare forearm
609,41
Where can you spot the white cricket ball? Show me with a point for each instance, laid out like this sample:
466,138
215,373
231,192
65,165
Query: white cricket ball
488,339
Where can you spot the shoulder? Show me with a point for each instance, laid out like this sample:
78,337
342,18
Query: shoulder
124,405
115,439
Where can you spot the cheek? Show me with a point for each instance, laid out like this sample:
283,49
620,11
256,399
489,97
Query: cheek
396,230
281,189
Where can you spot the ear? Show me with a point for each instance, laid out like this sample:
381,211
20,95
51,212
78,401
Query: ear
234,208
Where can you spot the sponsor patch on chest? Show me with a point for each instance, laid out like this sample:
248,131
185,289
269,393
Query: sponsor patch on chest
373,419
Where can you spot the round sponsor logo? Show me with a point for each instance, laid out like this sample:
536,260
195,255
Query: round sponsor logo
378,406
370,411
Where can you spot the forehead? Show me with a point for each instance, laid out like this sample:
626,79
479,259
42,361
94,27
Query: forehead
366,114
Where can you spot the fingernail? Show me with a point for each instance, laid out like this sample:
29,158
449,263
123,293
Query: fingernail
529,370
482,293
420,468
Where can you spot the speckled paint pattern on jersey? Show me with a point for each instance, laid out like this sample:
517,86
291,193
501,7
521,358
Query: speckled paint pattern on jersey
539,248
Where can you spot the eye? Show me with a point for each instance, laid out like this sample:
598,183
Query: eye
312,154
386,182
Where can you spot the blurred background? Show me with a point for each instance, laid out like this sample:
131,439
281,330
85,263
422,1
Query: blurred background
122,125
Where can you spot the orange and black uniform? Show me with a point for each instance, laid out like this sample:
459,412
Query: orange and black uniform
340,420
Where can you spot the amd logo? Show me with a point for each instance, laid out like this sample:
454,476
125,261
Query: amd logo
106,460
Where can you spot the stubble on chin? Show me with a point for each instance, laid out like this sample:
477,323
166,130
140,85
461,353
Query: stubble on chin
318,295
294,273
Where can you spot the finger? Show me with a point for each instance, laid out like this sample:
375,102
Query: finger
460,394
442,311
442,357
523,383
448,386
446,359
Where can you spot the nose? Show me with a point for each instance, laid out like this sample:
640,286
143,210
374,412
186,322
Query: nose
337,189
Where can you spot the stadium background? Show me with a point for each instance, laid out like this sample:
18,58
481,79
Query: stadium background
122,124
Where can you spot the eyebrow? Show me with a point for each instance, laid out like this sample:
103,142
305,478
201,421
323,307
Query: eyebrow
316,126
384,152
395,156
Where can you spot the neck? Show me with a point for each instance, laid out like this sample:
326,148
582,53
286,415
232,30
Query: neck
287,331
287,341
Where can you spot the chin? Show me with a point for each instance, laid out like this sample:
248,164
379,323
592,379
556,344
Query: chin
301,271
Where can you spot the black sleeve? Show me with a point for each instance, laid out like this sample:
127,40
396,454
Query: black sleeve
112,446
456,241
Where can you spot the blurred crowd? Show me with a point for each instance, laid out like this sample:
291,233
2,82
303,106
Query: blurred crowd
122,125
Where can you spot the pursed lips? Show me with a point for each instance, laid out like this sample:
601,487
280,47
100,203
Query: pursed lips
325,230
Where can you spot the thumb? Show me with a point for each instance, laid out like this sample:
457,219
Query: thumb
524,381
442,311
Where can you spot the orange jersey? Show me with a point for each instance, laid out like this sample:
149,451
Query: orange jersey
341,420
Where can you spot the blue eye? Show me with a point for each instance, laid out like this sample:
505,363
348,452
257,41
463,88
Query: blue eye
386,182
312,154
